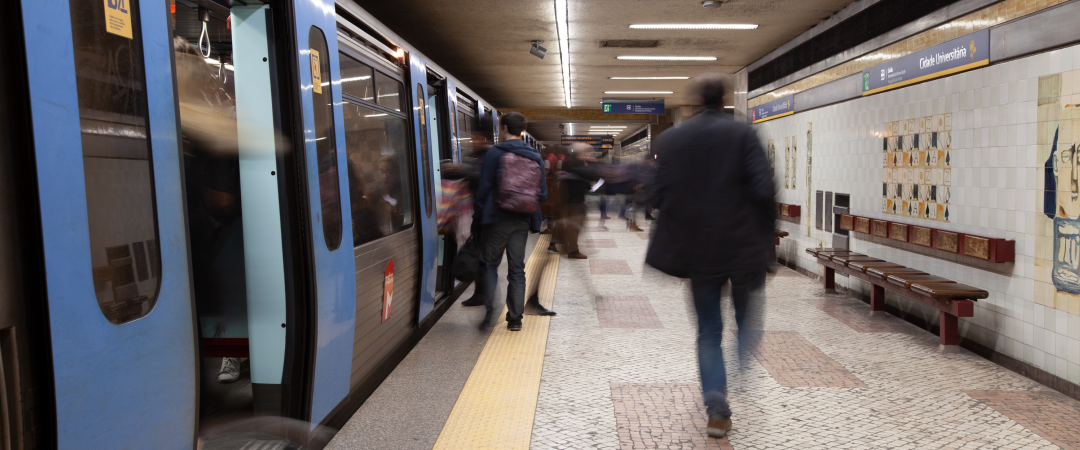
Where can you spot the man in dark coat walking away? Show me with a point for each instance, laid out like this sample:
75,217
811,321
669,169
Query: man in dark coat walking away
502,230
714,191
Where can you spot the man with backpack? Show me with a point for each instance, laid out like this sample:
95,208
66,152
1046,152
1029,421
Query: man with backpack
506,207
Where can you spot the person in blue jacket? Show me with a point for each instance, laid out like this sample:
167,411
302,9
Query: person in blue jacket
502,230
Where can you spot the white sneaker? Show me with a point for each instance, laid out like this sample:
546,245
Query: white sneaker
230,370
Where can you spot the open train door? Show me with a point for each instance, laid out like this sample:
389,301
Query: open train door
325,176
113,225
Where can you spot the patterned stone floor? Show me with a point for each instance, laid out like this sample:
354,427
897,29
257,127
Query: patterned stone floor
834,377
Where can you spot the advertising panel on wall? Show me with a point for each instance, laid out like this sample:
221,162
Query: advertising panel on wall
774,109
960,54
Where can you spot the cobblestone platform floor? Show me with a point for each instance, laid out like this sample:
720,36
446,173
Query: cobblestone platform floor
834,376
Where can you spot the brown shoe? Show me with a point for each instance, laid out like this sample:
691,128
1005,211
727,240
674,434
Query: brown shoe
635,228
577,255
718,426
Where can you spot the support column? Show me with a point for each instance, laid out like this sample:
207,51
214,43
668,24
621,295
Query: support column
830,280
877,301
949,333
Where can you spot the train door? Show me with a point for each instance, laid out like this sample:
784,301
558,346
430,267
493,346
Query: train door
113,229
425,169
452,116
326,173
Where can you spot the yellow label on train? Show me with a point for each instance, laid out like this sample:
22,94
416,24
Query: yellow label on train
118,17
316,73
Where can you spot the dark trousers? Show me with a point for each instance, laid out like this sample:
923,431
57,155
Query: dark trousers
567,229
494,239
707,295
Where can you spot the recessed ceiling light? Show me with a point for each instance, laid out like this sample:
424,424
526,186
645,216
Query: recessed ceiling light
638,92
669,58
564,47
648,78
694,26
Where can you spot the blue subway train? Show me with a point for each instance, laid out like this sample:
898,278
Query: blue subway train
214,209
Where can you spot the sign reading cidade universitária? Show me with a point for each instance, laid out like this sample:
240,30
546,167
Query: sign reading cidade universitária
960,54
777,108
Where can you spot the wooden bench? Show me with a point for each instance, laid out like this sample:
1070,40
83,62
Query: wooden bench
952,299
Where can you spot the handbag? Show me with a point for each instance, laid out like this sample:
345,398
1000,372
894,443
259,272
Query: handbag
467,261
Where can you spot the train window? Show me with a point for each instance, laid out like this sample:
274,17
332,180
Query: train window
117,162
380,175
389,92
325,150
356,79
425,151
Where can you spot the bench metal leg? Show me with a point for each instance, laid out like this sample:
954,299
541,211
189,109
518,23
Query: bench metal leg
877,301
830,280
949,333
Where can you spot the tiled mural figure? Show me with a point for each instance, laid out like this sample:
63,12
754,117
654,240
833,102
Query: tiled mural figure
772,156
791,160
917,162
1058,241
809,163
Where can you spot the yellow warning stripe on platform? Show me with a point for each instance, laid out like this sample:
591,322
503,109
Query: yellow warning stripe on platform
497,406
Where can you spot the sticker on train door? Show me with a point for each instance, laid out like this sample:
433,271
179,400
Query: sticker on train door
316,73
388,290
118,17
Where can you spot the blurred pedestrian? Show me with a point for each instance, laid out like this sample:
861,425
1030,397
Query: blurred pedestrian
573,181
714,192
506,208
469,169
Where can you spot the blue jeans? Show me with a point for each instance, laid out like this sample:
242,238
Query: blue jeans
707,295
494,239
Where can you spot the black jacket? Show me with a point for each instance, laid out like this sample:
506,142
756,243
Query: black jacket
714,190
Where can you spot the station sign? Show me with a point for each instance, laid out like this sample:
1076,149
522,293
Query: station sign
960,54
775,109
649,106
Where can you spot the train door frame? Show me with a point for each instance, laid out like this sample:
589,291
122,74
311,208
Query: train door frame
28,416
447,245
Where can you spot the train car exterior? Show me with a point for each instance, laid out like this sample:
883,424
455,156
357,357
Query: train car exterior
318,181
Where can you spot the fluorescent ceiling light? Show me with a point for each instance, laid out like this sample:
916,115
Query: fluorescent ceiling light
648,78
608,126
729,107
669,58
638,92
694,26
564,47
375,115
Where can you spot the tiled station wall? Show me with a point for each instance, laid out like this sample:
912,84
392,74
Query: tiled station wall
1000,148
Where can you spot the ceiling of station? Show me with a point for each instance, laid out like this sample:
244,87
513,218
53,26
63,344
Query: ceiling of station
485,43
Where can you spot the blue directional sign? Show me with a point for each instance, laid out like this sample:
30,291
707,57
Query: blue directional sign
777,108
957,55
634,106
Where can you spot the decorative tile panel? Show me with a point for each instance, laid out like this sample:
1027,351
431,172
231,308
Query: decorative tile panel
947,241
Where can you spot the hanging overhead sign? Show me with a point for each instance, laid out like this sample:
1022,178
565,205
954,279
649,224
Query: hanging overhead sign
644,106
960,54
599,142
774,109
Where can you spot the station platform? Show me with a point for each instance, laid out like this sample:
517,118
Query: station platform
617,369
